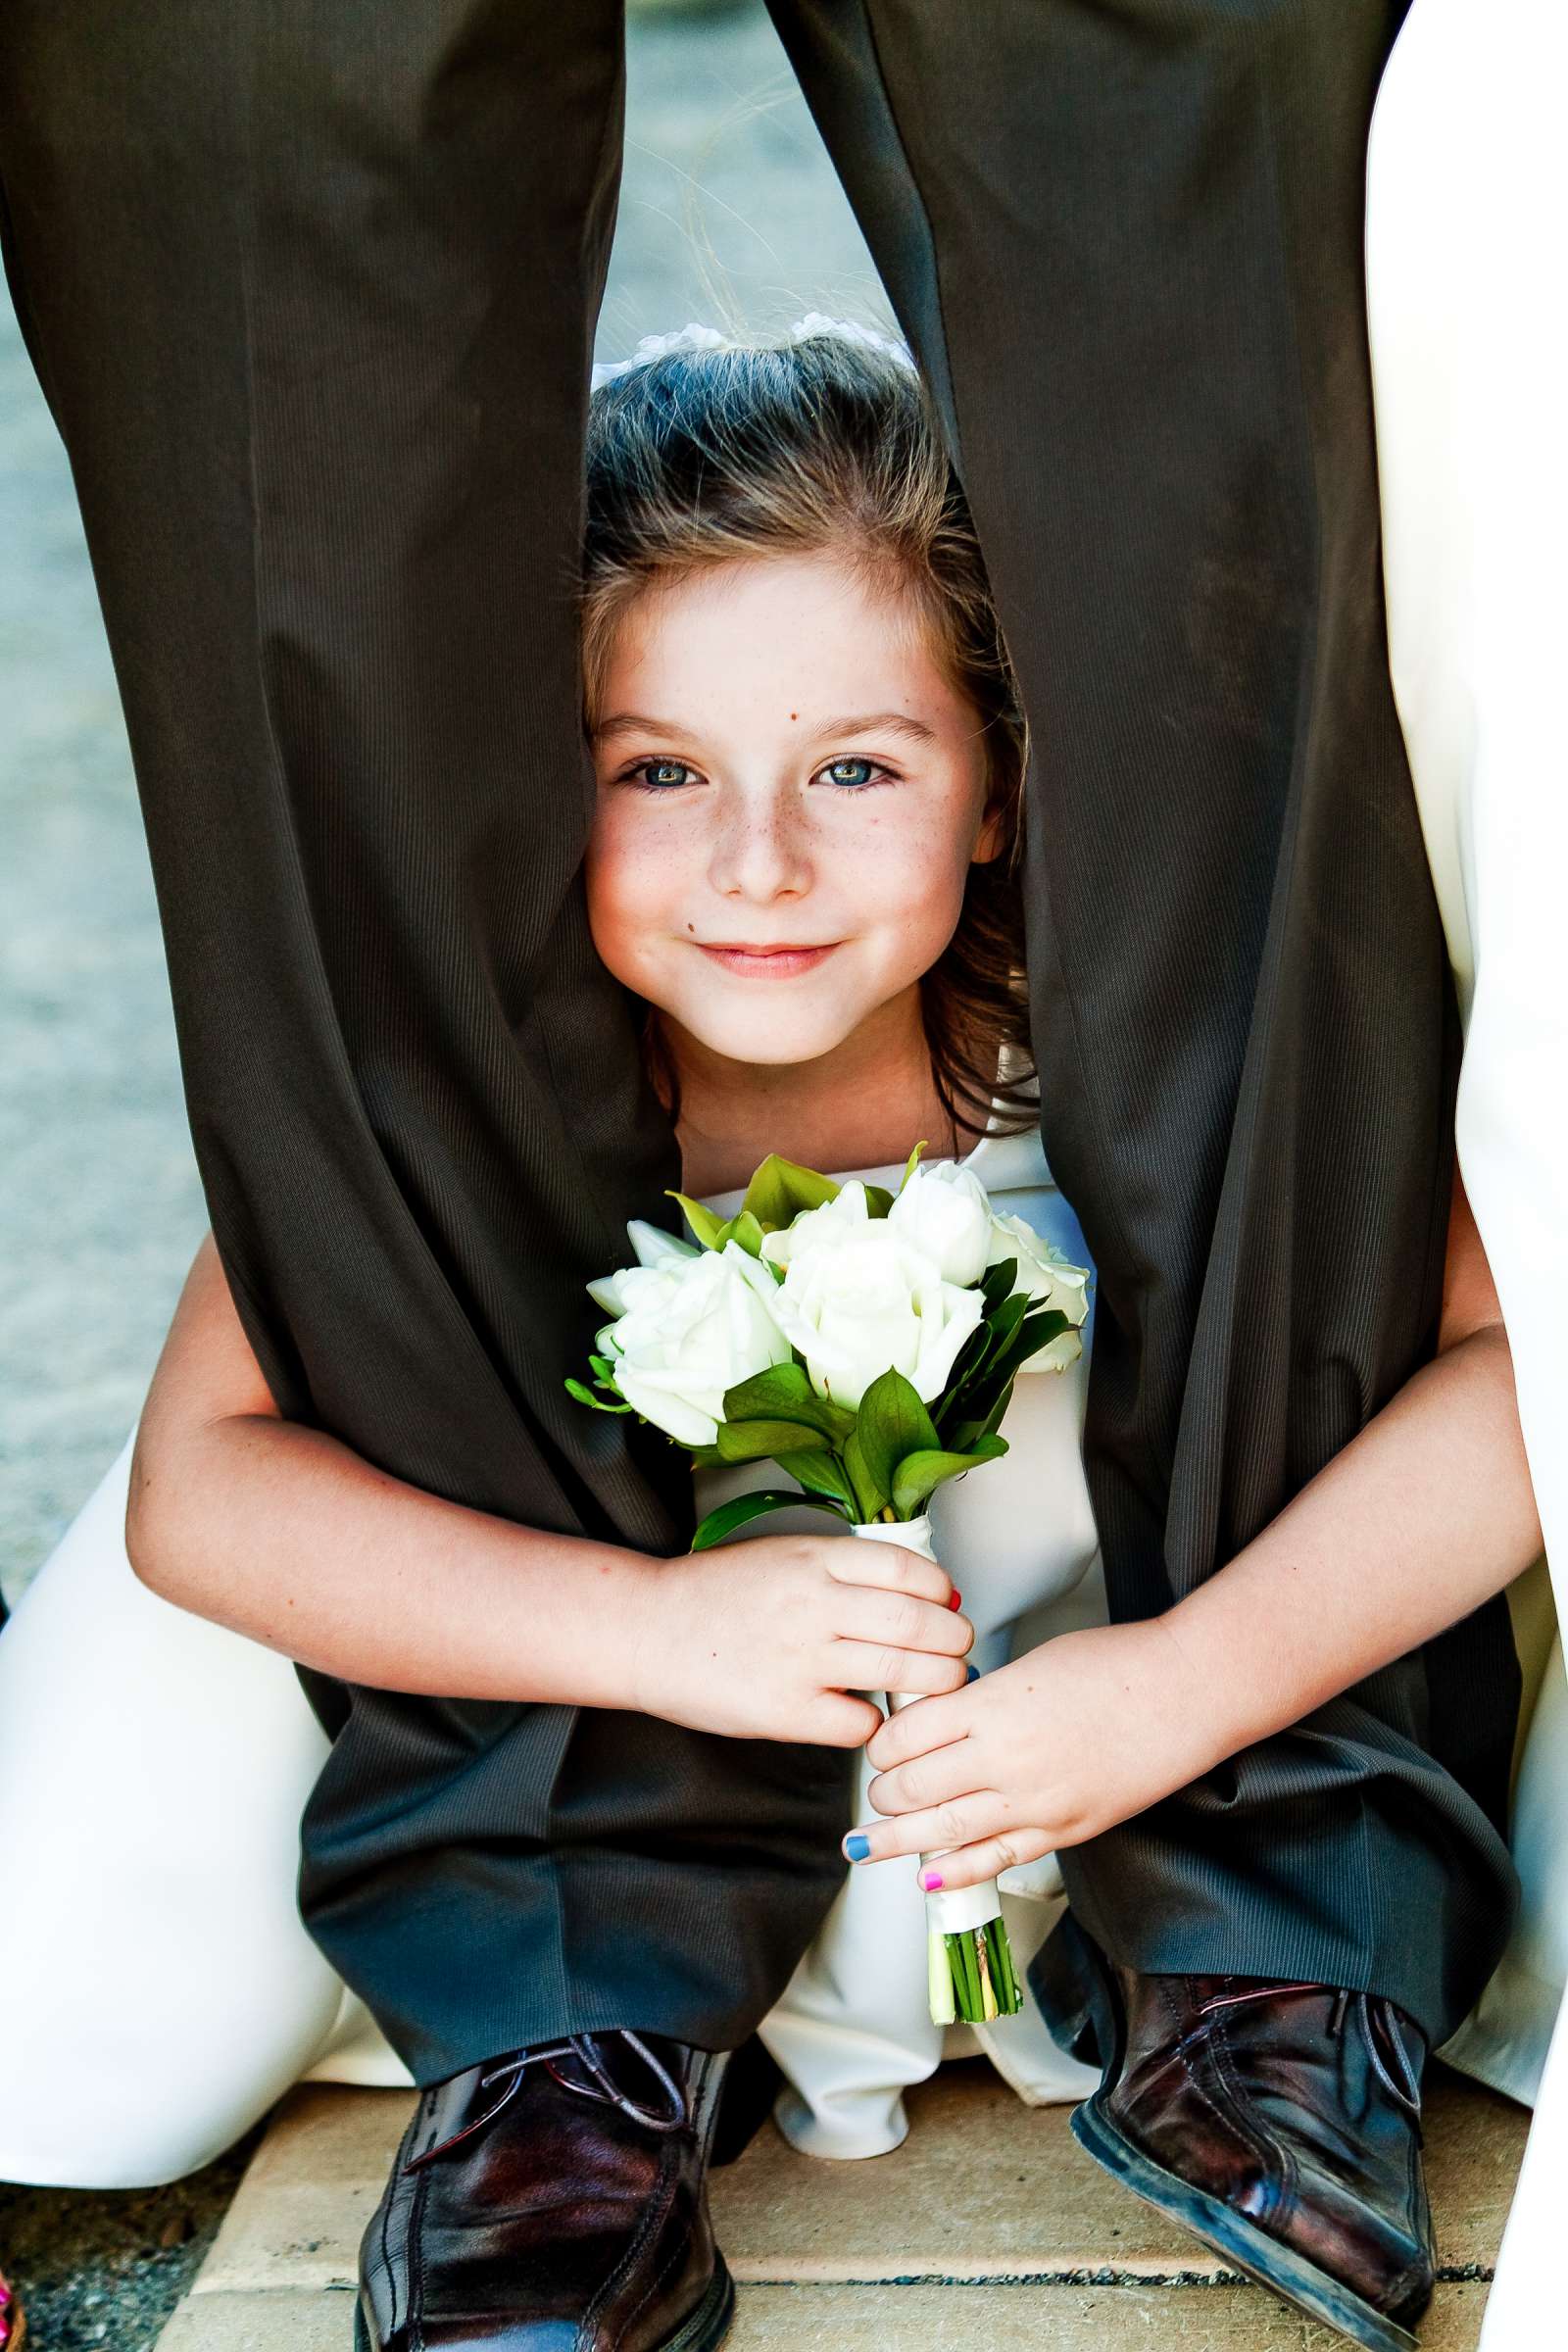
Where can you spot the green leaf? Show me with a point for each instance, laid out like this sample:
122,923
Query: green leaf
878,1200
574,1388
970,1356
1004,1320
870,1500
705,1458
909,1163
1035,1332
784,1393
971,1392
995,1417
727,1517
744,1229
918,1475
972,1353
703,1222
782,1188
755,1440
821,1474
892,1422
997,1282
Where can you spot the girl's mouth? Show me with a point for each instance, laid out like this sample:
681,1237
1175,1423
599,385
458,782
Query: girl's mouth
768,964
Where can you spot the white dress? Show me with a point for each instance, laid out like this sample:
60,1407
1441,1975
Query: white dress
1467,227
158,1991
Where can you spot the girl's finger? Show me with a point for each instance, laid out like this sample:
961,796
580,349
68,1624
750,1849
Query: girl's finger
874,1666
981,1813
972,1864
900,1620
907,1733
838,1720
934,1778
890,1568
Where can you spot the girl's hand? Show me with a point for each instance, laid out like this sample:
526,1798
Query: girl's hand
1064,1743
768,1638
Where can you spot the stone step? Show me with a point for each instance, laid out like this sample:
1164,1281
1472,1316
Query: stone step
894,2319
987,2228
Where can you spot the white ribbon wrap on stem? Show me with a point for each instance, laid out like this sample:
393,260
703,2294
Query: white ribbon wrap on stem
955,1910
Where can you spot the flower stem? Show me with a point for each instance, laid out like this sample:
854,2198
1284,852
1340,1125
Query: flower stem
939,1979
976,1979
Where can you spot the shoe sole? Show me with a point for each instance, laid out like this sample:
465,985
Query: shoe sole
705,2330
1262,2258
714,2316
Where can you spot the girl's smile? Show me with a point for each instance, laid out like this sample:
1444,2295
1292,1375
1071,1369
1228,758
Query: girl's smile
775,962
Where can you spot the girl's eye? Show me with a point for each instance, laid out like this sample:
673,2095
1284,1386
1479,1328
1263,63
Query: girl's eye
852,773
659,776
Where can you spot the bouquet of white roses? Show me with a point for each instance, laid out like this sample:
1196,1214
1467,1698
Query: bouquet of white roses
866,1342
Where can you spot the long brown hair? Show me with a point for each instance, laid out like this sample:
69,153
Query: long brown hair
827,442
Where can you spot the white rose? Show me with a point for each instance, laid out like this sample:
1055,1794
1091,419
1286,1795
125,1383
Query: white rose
1050,1278
654,1248
857,1300
657,1248
689,1327
944,1211
811,1227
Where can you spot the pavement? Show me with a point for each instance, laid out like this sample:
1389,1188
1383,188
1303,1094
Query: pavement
990,2228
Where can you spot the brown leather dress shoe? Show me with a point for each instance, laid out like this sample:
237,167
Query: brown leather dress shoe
553,2200
1281,2122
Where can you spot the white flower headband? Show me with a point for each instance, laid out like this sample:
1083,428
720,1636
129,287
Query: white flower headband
695,337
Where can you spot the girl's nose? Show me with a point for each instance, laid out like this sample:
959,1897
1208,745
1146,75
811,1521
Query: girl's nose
761,853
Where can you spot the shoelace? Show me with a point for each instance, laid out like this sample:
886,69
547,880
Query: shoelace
601,2086
507,2077
1405,2093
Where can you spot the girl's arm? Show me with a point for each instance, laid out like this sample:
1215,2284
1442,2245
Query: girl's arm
287,1536
1428,1512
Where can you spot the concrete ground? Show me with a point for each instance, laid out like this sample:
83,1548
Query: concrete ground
728,209
989,2227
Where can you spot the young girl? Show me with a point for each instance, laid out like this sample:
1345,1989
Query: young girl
805,862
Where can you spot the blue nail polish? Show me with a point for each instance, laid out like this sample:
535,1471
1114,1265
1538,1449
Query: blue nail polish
858,1848
973,1673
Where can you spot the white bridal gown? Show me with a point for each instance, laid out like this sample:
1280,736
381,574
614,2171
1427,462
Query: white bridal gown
156,1989
1467,231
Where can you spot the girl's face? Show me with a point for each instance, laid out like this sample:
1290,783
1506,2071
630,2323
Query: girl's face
790,794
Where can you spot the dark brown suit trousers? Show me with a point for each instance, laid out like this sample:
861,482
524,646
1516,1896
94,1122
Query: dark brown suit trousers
311,288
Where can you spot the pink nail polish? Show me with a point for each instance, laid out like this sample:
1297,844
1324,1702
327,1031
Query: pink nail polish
930,1879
